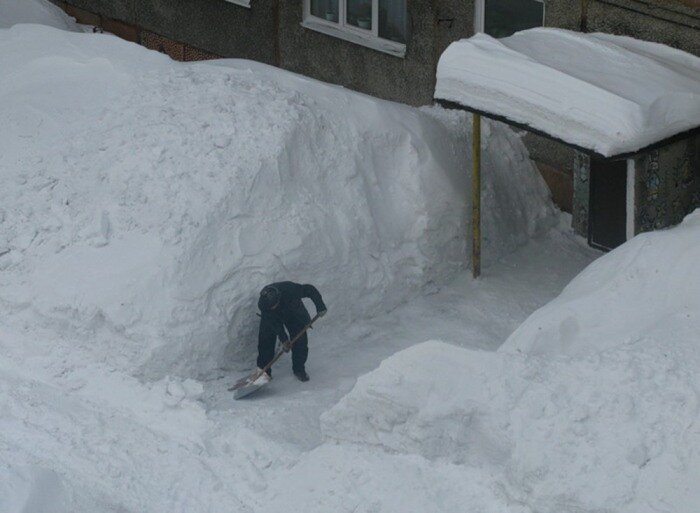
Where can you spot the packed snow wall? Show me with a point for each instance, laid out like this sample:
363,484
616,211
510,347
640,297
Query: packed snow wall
592,405
149,200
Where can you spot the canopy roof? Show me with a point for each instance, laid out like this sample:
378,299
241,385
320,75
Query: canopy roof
605,94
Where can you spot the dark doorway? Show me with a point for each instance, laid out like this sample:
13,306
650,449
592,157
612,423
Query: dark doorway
607,215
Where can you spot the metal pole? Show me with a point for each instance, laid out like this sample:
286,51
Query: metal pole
476,195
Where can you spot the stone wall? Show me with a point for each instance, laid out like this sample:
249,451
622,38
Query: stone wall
667,185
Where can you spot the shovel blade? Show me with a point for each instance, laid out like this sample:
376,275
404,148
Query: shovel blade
248,385
247,389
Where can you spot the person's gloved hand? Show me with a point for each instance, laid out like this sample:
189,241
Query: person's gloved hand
321,313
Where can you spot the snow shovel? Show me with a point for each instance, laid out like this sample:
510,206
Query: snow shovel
246,386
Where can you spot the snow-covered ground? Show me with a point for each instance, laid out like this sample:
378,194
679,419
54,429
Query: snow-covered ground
591,405
13,12
145,202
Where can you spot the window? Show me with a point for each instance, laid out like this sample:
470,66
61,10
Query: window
502,18
242,3
378,24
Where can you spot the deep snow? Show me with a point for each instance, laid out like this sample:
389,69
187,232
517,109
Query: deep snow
182,189
123,215
592,405
13,12
141,217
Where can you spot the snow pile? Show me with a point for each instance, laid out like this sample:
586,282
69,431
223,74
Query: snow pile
646,291
592,405
611,94
30,490
76,450
42,12
145,202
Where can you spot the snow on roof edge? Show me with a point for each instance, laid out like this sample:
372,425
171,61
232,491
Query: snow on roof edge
603,94
687,134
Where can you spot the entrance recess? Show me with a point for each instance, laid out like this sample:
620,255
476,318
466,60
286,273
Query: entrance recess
607,218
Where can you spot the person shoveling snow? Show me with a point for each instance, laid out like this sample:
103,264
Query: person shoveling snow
281,307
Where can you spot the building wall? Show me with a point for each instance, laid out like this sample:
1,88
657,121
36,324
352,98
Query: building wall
270,32
215,27
673,23
409,80
667,185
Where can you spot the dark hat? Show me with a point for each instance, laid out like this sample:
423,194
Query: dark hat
269,298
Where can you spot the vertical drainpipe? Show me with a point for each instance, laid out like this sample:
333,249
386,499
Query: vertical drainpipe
436,40
584,16
630,199
278,45
476,195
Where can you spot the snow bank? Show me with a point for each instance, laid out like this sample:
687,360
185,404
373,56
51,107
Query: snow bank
31,490
146,202
611,94
592,405
75,450
42,12
646,293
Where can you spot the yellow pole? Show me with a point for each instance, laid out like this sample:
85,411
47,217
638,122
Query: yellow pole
476,195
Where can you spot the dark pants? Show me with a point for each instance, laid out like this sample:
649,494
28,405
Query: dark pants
294,321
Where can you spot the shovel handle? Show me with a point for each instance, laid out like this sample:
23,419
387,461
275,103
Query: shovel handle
259,373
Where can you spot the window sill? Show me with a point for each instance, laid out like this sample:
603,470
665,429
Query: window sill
370,41
242,3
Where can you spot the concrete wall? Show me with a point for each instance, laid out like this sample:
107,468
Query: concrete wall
410,79
668,22
214,26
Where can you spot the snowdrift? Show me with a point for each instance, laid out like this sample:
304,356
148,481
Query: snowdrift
31,490
592,405
13,12
145,202
647,293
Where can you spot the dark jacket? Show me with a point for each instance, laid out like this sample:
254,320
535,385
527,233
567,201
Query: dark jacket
290,310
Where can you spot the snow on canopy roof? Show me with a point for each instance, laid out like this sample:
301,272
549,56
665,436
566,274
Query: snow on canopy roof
608,94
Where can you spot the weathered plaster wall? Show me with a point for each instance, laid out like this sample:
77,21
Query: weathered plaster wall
668,22
216,26
270,32
410,79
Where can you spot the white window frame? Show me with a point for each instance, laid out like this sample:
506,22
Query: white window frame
351,33
242,3
480,13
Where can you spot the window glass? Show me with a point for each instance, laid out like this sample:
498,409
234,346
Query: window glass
503,18
325,9
359,13
392,20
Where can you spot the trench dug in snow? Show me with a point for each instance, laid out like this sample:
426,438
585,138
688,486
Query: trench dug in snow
149,215
592,405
